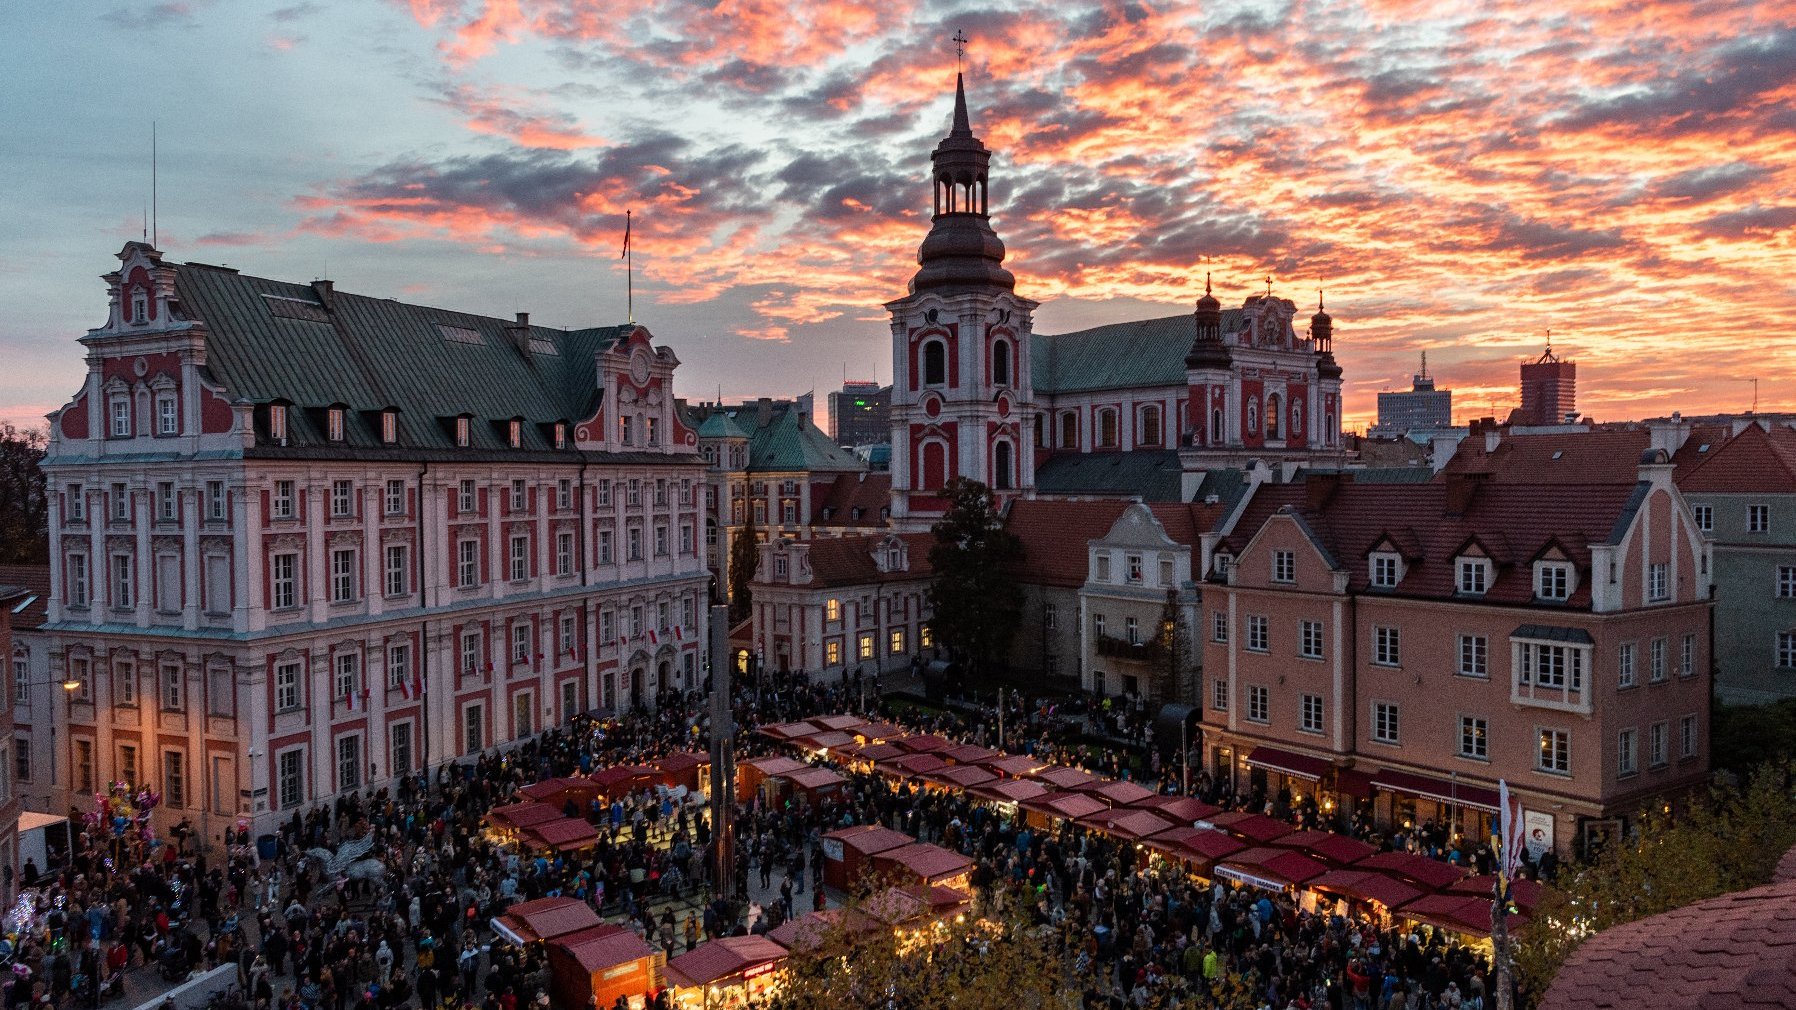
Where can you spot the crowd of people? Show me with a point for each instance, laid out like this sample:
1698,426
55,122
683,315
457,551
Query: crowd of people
408,923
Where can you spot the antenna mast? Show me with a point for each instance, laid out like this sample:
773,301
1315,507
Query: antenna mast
154,239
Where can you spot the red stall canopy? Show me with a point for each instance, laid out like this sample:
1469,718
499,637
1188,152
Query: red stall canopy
1070,806
1288,763
1336,850
1009,790
1180,809
545,919
1270,868
564,834
1364,885
1133,825
961,776
719,959
1428,874
1256,828
1116,792
1013,766
514,816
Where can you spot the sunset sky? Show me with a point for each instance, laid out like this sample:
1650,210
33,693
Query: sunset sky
1459,177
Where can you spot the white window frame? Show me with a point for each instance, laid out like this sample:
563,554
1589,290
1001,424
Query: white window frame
171,678
1474,738
1657,661
1259,704
1705,517
1387,722
395,498
1310,713
1688,731
287,678
564,553
1473,576
399,664
1658,582
467,563
1627,752
1553,580
520,495
1625,673
398,569
1687,657
1758,518
1219,694
1658,745
333,424
518,562
1219,627
520,641
1309,639
281,504
283,585
1786,650
168,415
1552,751
217,502
1387,646
467,501
1385,570
1786,582
1474,656
290,778
343,575
1284,567
1259,637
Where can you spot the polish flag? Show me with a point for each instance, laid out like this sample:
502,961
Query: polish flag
349,700
405,689
418,687
679,633
652,639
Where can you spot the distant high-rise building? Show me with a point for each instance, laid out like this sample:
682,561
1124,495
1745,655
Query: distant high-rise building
1421,407
1549,390
860,414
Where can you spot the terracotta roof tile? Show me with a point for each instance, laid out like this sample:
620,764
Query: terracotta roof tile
833,502
1755,460
848,561
1054,536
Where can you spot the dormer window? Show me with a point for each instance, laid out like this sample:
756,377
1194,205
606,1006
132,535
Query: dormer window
1473,576
626,432
653,430
333,424
277,422
1134,563
894,561
560,435
780,566
514,433
1552,580
168,415
1387,569
389,427
461,432
140,306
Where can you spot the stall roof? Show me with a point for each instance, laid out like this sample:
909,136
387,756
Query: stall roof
622,777
1459,913
788,730
1257,828
1431,874
563,834
879,731
926,861
605,946
969,754
815,778
681,761
824,740
719,959
771,766
838,722
868,839
879,752
808,931
1206,844
911,765
894,905
1253,866
1339,850
940,898
1365,885
1010,790
549,918
962,776
924,743
1130,824
553,790
1116,792
1013,766
522,815
1071,806
1180,809
1063,777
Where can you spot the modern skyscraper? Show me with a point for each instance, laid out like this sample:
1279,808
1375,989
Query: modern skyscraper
1421,407
1549,390
860,414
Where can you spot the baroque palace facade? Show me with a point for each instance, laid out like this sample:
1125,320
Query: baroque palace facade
306,541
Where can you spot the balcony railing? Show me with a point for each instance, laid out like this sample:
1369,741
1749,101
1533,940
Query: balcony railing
1112,647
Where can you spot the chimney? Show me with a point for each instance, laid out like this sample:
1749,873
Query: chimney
519,332
763,411
1320,488
326,292
1462,487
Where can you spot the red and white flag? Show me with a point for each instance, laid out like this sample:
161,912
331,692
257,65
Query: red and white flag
1511,840
652,639
405,688
349,700
679,633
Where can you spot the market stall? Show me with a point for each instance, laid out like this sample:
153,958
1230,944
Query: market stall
1524,894
565,834
1043,810
730,971
1429,875
846,723
959,778
1256,829
813,929
1062,777
685,768
1355,890
924,743
559,792
1466,915
848,852
878,732
594,967
1179,809
969,754
1128,825
619,780
1007,793
505,822
923,863
910,766
1270,868
1197,848
815,784
1335,850
1116,792
751,775
544,919
823,743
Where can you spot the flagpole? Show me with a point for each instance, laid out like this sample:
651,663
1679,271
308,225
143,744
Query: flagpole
1499,913
629,271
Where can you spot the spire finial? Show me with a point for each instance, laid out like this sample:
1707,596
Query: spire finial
960,48
1319,306
962,125
1424,364
1206,282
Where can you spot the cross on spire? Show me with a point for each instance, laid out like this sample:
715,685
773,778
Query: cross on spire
960,41
1269,285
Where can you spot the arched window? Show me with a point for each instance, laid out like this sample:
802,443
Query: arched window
1273,413
935,363
1215,425
1150,426
1040,424
1001,363
1106,429
934,468
1003,463
1069,430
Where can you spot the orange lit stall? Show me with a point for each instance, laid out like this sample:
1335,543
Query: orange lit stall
530,922
923,863
848,852
1335,850
621,780
910,766
1043,811
813,929
1062,777
1015,766
504,823
815,784
565,834
685,768
558,792
1357,891
958,778
1198,849
1116,792
594,967
753,774
730,971
878,732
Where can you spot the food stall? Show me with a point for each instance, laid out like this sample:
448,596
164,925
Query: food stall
787,731
594,967
923,863
505,822
845,723
1197,848
1356,890
1270,868
1429,875
1042,811
969,754
848,852
1465,915
558,792
1007,793
813,929
564,834
685,768
621,780
1128,825
910,766
815,784
529,922
866,757
752,774
924,743
730,971
959,778
1063,777
878,732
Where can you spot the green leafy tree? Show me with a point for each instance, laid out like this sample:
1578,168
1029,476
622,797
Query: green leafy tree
1730,839
974,597
1173,652
745,557
24,505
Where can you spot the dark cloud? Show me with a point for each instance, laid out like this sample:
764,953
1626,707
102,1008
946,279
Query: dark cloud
1703,184
144,17
295,12
1753,220
1741,74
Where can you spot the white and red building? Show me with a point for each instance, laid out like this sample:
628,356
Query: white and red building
305,541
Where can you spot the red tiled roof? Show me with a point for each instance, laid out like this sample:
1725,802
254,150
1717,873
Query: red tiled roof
848,561
35,579
1754,461
868,491
1738,950
721,958
1054,535
605,947
1585,457
548,918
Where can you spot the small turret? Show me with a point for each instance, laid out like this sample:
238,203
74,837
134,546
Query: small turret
1207,349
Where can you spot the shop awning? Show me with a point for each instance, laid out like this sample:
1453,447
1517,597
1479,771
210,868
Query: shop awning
1273,869
1456,913
1289,763
1462,794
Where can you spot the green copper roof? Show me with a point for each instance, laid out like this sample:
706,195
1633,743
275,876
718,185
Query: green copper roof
273,340
789,441
1151,475
721,425
1146,352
